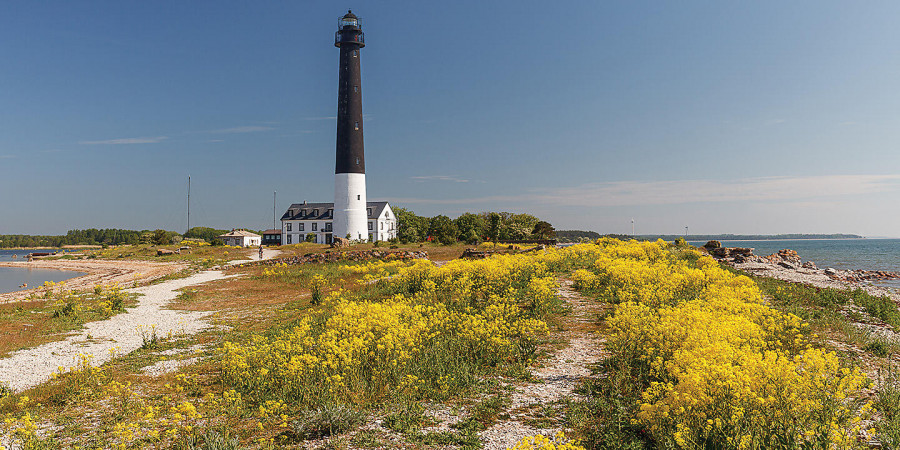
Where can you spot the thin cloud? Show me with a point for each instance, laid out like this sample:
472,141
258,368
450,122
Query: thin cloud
319,118
244,129
439,178
127,141
7,156
635,193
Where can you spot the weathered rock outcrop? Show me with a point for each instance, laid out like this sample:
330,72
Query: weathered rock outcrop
712,244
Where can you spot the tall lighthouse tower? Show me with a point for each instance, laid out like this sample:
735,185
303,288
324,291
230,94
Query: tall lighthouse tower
350,217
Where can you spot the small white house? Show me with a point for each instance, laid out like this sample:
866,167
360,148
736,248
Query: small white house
303,219
241,238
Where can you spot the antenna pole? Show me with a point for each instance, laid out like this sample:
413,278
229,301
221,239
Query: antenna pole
274,211
189,205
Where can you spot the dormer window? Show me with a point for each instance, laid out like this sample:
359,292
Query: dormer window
290,213
302,212
369,212
330,213
316,212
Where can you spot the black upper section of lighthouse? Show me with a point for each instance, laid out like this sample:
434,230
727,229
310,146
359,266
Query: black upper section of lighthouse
350,157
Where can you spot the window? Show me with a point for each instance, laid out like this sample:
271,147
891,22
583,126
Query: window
355,88
328,226
330,213
289,239
355,53
381,226
369,212
356,127
316,213
359,197
291,213
302,212
370,225
300,228
289,227
315,226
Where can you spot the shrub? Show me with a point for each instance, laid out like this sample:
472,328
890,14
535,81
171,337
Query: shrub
326,421
878,348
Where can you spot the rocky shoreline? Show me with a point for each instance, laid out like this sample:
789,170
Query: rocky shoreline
786,265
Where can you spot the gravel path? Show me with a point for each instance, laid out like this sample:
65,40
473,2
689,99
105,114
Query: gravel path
118,335
558,377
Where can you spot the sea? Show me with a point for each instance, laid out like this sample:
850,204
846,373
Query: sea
11,278
845,254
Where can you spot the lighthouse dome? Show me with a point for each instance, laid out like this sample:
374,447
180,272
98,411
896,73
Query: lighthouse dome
349,20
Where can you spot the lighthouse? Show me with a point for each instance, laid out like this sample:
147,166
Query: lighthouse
350,218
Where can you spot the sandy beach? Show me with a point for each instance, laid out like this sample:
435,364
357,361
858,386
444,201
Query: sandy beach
125,273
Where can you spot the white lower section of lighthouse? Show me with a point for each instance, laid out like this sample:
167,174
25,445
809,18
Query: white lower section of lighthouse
350,206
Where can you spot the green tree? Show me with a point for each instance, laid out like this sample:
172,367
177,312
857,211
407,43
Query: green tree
206,233
410,227
469,227
543,230
442,229
517,226
494,227
161,237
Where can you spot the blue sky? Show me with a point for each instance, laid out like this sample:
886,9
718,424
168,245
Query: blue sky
727,117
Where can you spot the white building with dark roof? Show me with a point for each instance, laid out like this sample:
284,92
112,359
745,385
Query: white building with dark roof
303,219
241,238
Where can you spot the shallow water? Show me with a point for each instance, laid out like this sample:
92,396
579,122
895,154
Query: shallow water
13,277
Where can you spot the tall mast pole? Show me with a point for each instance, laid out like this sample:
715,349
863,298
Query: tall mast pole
189,205
274,211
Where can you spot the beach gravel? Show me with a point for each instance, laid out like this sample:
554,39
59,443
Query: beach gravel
105,339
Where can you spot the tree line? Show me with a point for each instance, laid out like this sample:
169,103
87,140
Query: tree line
109,236
470,228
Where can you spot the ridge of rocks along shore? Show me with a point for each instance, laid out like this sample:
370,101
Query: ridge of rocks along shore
787,265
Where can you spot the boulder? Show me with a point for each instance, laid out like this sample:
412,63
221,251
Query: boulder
340,243
471,253
809,265
164,252
720,252
712,244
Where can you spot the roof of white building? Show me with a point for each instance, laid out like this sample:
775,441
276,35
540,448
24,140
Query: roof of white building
320,211
239,233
